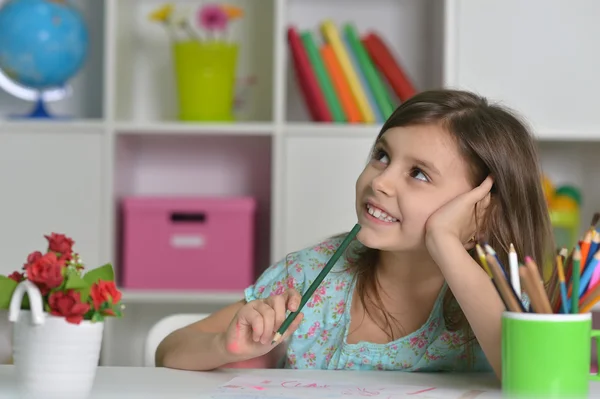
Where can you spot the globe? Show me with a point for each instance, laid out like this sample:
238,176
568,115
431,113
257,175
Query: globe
43,44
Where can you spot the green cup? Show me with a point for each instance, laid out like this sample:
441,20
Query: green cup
205,75
546,355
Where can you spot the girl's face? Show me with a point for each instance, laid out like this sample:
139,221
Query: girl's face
412,172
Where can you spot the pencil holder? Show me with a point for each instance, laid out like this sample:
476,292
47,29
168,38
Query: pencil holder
565,224
546,355
205,79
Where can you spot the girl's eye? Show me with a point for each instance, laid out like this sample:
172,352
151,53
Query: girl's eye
381,156
418,174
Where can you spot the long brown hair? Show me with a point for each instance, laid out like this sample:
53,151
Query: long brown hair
493,141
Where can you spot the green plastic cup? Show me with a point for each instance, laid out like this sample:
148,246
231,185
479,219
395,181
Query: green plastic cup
205,75
546,355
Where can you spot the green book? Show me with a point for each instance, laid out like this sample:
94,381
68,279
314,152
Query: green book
380,93
333,102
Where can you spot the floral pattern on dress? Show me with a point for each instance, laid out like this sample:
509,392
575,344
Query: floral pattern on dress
320,340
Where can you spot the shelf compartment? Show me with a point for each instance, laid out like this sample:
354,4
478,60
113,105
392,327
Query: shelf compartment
500,64
145,80
214,166
411,29
86,100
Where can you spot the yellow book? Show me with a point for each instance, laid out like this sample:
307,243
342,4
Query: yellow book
332,36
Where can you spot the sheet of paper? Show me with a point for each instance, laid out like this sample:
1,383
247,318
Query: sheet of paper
252,387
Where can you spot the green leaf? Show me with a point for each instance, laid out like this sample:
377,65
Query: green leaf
84,294
105,273
7,287
97,317
25,304
74,282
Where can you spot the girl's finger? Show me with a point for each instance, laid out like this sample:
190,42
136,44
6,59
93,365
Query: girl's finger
479,192
257,324
268,316
277,302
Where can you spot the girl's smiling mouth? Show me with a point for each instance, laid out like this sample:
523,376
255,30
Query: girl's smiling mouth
379,214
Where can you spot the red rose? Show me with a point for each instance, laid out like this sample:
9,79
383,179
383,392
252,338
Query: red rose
61,244
68,304
105,291
16,276
32,258
46,272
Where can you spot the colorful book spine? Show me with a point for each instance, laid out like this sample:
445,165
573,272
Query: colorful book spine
323,78
377,86
342,87
385,62
306,79
332,36
362,80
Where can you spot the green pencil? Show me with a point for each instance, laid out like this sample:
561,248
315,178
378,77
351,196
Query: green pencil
315,284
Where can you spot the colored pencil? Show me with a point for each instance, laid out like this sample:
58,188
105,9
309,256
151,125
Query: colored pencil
537,285
574,289
504,288
575,280
563,285
513,263
482,260
315,284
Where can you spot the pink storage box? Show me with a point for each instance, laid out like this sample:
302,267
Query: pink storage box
188,243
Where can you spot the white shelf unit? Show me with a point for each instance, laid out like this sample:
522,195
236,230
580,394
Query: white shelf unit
536,56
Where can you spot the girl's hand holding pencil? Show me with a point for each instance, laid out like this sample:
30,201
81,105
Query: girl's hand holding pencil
251,331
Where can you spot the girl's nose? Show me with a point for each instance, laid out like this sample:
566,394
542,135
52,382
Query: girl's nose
383,183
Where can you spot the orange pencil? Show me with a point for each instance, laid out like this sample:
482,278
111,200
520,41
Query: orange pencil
584,245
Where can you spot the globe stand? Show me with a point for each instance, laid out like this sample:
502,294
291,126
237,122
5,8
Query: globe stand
39,111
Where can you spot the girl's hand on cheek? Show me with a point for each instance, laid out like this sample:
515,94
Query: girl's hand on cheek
457,218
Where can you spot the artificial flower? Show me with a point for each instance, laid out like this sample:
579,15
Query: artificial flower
232,12
66,291
31,258
61,244
68,304
46,272
212,17
162,14
16,276
104,294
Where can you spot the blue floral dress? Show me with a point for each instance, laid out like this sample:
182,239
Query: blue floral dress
320,341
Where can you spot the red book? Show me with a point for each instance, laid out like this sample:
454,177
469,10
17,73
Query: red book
391,70
307,80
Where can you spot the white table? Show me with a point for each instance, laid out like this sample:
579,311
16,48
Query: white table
150,382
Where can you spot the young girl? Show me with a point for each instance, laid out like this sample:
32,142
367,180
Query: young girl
447,169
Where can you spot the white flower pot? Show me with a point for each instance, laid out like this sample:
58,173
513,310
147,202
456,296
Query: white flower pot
53,358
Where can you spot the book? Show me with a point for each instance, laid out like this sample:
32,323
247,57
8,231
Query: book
323,78
389,67
305,76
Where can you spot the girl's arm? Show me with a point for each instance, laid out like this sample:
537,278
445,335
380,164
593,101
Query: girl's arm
200,346
474,292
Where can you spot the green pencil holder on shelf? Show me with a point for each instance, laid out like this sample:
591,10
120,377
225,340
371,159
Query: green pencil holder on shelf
565,224
205,78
